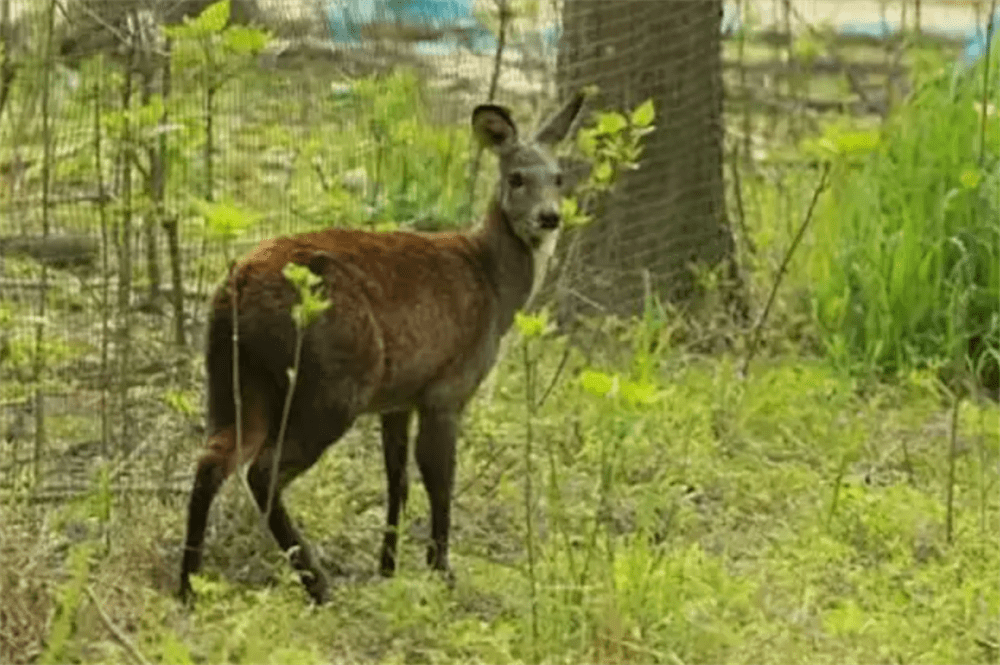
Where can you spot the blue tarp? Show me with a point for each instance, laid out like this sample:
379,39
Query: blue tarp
345,17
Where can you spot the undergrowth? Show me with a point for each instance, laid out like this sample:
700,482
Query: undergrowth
681,516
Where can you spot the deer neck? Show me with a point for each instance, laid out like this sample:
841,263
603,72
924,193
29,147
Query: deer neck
510,264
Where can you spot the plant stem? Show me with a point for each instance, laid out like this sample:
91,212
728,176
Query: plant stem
755,332
8,70
102,211
952,454
986,79
505,15
285,411
125,249
47,163
528,498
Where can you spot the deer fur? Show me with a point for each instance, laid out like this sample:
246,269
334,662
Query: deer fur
414,325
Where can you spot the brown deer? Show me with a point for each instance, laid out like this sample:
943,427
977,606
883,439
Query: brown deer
414,325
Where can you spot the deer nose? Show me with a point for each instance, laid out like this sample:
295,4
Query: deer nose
548,220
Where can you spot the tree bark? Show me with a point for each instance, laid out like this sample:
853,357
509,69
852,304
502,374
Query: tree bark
671,212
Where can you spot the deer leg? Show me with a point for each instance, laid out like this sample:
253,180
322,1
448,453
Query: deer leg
395,447
436,459
208,479
285,533
214,467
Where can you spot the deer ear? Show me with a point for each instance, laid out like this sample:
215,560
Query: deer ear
555,128
493,127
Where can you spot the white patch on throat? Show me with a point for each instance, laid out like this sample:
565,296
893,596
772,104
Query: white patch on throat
542,255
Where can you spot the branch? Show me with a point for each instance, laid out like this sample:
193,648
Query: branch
755,332
117,632
505,15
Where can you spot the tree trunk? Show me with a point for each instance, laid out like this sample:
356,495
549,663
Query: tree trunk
671,212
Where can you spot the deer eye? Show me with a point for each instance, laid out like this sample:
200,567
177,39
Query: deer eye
515,180
559,180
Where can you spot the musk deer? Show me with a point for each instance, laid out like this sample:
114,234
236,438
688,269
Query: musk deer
414,325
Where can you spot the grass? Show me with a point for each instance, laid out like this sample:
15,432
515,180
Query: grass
678,513
778,519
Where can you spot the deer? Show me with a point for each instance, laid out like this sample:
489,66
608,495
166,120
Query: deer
414,325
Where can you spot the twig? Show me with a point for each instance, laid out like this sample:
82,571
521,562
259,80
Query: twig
738,194
755,331
48,163
117,632
101,197
529,414
8,69
555,376
102,210
986,79
285,414
234,275
952,454
870,104
505,14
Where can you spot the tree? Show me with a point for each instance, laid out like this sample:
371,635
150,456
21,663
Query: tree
671,212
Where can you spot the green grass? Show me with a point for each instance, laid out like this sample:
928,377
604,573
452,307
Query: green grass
797,515
778,519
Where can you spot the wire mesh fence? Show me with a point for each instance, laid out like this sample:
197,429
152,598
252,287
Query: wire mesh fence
126,124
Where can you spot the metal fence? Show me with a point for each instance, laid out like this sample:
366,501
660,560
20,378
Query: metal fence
124,124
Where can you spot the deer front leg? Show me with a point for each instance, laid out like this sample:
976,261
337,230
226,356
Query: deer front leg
395,448
436,459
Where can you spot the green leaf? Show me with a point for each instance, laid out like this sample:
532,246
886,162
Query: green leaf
173,650
611,123
846,619
245,41
213,18
531,325
179,402
311,305
857,143
587,142
644,114
603,172
639,393
806,48
571,213
224,220
970,177
596,383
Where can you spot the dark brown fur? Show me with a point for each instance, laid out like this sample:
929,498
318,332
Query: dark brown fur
414,325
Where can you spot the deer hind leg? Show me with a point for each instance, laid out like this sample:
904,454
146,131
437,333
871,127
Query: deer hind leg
436,459
300,450
395,447
215,465
285,533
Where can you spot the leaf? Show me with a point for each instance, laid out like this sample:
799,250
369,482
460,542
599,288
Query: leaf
596,383
639,393
224,220
603,172
311,305
531,325
857,143
569,207
644,114
213,18
970,178
173,650
300,276
611,123
179,402
245,41
587,143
